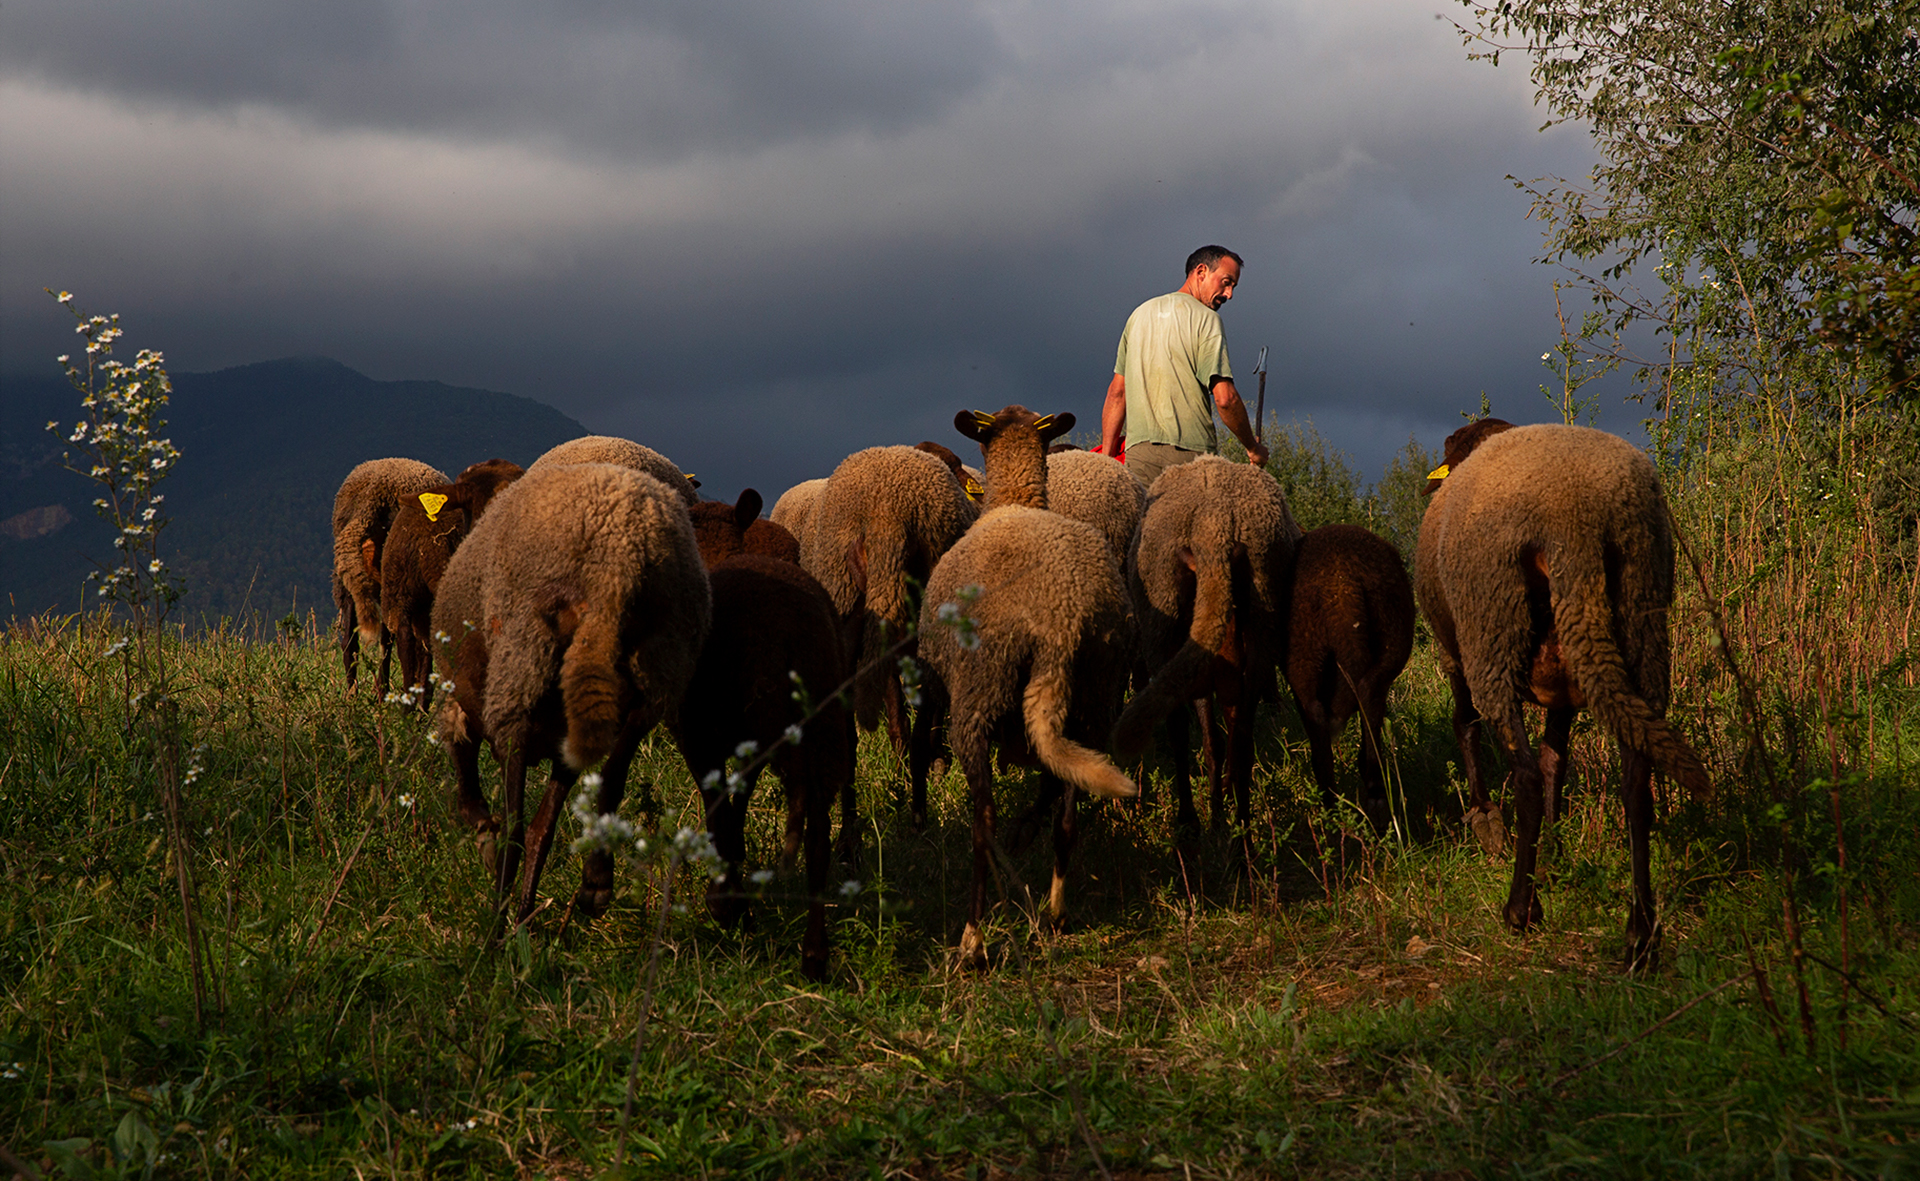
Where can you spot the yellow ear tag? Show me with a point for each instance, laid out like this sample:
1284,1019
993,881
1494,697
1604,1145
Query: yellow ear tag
1439,473
983,421
973,489
433,502
1042,424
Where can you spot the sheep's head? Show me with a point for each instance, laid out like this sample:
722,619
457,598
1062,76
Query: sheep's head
720,529
477,486
1014,442
945,455
984,428
1461,444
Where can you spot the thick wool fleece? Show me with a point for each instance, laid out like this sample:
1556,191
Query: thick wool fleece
363,512
1097,490
1586,507
586,592
795,506
623,453
886,516
1206,522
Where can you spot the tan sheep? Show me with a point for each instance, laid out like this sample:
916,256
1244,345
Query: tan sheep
1047,658
885,517
795,505
363,511
1209,574
1097,490
569,621
623,453
1545,571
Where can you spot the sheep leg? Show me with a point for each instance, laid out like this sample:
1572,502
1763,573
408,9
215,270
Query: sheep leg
383,681
349,638
540,837
929,736
1553,759
1372,697
814,944
1636,791
1482,817
507,865
1066,834
896,707
1210,745
970,747
1523,900
1313,719
595,894
1185,820
727,821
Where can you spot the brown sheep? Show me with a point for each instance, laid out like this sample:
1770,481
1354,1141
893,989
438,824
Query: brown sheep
1045,660
1097,490
969,479
876,530
771,622
1545,570
724,530
1209,576
569,622
1349,632
623,453
416,554
363,512
795,505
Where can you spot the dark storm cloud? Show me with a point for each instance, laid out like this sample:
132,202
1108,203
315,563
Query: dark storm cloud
893,213
655,78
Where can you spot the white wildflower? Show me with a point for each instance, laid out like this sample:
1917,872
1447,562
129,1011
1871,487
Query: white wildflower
761,877
793,734
849,888
746,750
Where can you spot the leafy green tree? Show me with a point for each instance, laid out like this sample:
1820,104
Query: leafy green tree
1764,158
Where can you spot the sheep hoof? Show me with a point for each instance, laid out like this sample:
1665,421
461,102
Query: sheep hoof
1489,830
1521,916
487,840
847,849
592,902
973,949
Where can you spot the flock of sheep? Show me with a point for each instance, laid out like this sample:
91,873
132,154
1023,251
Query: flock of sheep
572,606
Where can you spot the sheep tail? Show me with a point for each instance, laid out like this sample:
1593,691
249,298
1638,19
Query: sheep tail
1582,614
592,689
1173,684
1049,695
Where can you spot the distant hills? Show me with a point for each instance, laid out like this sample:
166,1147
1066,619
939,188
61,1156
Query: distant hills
263,449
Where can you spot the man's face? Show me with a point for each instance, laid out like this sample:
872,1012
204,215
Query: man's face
1213,285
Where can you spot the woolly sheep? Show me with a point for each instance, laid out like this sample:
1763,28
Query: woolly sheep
1545,571
415,557
771,622
569,622
885,517
1349,633
363,512
724,530
1048,630
970,482
623,453
1097,490
1209,575
795,505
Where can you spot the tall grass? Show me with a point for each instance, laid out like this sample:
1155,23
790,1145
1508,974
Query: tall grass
1350,1007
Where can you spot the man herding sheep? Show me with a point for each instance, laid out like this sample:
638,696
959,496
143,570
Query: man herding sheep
1172,358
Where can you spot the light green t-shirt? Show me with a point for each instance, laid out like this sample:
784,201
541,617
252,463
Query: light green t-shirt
1170,351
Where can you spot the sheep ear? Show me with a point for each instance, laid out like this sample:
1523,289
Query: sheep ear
1053,426
972,423
746,510
433,502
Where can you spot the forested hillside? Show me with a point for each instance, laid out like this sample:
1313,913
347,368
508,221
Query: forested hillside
263,447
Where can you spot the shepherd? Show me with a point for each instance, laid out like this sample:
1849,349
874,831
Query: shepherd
1171,373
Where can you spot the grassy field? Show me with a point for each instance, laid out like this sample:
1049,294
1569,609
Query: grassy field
1350,1008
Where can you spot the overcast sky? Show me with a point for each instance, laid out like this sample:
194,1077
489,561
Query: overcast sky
759,234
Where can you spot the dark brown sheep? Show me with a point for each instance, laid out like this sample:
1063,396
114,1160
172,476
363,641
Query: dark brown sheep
415,557
771,622
724,530
1349,632
1545,570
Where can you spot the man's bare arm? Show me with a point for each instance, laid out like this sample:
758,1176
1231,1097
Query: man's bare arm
1113,416
1233,412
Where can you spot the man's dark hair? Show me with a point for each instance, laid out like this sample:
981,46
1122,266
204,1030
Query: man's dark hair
1210,256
